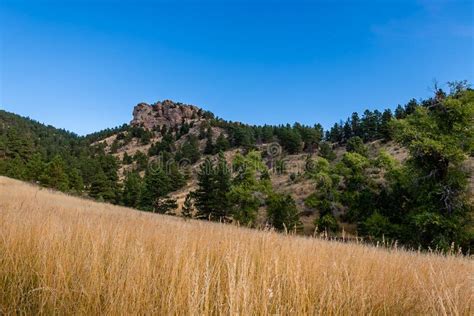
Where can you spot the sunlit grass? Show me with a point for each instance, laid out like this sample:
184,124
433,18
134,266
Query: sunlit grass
64,255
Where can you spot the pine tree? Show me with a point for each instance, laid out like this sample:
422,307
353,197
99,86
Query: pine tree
282,212
55,175
222,144
355,125
132,188
385,128
204,195
189,150
222,187
35,167
126,160
400,112
355,144
209,149
75,180
101,188
325,151
165,205
156,185
188,208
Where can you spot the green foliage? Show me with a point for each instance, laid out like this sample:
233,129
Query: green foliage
132,188
282,212
189,150
165,205
378,226
55,175
101,188
141,160
156,185
325,151
356,145
250,185
213,186
290,139
209,149
327,223
222,144
188,207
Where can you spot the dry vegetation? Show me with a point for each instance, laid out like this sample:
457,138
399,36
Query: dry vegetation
64,255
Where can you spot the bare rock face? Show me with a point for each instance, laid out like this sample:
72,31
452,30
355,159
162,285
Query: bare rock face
166,113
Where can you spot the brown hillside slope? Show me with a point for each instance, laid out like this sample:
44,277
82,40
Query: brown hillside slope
64,255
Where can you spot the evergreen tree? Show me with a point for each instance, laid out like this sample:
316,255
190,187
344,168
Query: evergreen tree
222,144
156,185
204,195
188,208
165,205
400,112
75,180
356,145
356,125
439,139
55,175
385,127
189,150
100,187
126,160
209,149
282,212
35,167
325,151
132,188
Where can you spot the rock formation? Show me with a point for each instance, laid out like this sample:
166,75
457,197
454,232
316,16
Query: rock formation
166,113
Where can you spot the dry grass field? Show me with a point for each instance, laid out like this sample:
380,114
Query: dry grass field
64,255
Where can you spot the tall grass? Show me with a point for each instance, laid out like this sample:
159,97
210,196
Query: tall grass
64,255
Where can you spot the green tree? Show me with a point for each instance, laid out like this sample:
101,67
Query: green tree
165,205
325,151
356,145
213,186
35,167
439,139
222,144
327,223
209,149
189,150
282,212
76,183
156,185
55,175
188,207
132,188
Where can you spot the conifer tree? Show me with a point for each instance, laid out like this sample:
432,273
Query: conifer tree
132,188
209,149
188,208
222,144
55,175
156,185
282,212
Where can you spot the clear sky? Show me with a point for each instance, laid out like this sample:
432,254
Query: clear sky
83,65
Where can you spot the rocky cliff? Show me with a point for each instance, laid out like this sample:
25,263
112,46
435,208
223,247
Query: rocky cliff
165,112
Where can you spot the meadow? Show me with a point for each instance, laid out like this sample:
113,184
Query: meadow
65,255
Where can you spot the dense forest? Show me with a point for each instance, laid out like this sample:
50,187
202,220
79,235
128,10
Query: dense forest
423,201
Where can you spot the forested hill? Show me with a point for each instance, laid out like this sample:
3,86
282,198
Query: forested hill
401,176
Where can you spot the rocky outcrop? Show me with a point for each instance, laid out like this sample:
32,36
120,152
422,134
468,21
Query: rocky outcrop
166,113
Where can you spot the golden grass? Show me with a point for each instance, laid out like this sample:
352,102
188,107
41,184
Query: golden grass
64,255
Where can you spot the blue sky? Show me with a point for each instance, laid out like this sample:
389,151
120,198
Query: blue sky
83,65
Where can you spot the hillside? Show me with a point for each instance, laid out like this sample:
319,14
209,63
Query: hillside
66,255
404,176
